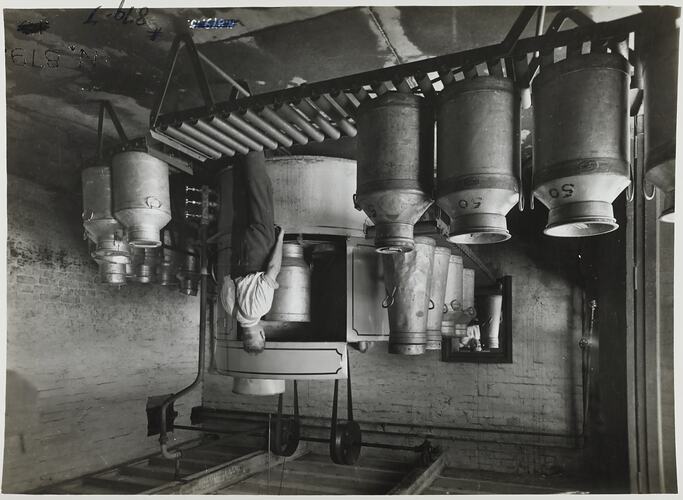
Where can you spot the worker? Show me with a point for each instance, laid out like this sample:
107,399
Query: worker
256,251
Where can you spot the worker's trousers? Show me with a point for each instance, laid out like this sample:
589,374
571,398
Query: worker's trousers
253,230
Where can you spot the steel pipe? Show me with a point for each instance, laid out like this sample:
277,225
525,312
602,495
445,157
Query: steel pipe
316,116
203,301
267,128
275,119
205,138
235,134
251,131
331,107
295,117
193,143
229,142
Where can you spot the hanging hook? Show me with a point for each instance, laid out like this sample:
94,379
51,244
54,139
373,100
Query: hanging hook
629,189
389,299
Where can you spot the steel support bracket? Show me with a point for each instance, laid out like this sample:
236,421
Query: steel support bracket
170,67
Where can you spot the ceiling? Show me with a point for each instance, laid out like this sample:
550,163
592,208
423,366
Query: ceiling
55,77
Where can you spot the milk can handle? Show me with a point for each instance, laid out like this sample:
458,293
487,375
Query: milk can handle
455,305
431,304
629,189
648,197
389,299
445,308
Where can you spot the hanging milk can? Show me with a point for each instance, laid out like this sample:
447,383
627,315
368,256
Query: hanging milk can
581,142
98,221
395,166
476,181
407,277
452,296
141,196
437,295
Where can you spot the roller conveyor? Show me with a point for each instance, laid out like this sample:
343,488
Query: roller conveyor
326,110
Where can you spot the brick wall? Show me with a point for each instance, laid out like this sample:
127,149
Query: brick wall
82,357
540,392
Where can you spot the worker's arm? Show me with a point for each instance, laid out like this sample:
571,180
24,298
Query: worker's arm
273,268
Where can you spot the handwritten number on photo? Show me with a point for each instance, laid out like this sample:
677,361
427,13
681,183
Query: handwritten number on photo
141,16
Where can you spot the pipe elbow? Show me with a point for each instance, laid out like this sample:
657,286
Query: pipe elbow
170,455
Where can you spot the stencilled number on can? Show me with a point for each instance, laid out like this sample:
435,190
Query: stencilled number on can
566,191
474,203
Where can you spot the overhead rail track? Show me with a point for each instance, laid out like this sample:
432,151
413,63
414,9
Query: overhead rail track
326,110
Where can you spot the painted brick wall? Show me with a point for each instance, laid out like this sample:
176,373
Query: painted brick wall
82,357
540,392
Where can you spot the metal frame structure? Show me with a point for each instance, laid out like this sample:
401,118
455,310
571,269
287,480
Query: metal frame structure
325,110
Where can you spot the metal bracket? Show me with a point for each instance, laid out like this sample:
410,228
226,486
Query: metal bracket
573,14
477,261
106,106
327,109
198,70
